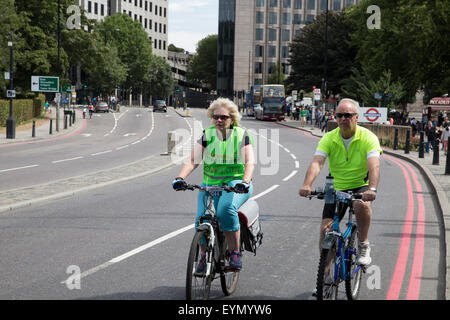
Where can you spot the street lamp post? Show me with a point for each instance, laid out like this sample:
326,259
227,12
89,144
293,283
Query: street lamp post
326,53
11,122
58,68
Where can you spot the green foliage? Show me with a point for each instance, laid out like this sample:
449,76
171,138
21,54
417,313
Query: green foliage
160,76
410,43
202,68
307,57
277,77
174,48
361,88
23,109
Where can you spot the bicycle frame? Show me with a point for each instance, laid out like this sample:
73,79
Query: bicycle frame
343,252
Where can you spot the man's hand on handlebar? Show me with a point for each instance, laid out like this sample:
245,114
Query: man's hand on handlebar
369,195
305,191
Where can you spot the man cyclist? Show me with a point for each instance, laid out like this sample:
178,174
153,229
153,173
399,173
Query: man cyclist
353,154
228,157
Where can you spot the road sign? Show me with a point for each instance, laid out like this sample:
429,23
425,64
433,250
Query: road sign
372,115
316,94
44,84
10,93
67,88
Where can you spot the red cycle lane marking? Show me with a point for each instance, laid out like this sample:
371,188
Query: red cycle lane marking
399,271
416,272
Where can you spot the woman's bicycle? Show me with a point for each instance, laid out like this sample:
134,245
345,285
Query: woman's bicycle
339,252
210,238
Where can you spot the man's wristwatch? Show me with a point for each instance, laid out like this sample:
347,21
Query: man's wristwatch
373,189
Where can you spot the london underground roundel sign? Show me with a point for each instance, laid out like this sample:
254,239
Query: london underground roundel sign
372,114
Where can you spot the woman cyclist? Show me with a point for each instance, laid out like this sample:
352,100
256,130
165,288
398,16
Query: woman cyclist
228,157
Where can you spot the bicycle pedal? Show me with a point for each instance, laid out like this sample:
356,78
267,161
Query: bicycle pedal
228,269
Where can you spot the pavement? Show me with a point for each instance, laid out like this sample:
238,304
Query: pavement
434,174
22,197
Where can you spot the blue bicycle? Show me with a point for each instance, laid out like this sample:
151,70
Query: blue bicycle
339,252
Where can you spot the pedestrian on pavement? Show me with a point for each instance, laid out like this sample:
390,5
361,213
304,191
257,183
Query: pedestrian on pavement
324,121
303,116
84,113
444,137
430,135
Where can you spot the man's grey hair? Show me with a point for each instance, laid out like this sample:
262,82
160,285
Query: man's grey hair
348,100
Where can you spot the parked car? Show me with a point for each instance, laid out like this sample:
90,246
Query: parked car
102,106
159,105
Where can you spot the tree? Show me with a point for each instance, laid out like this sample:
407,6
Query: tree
202,68
361,88
160,78
277,77
133,47
307,57
409,43
173,48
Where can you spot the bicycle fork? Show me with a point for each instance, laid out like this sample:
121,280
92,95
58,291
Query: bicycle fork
206,226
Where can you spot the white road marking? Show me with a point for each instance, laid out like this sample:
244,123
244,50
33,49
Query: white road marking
265,192
293,173
133,252
64,160
20,168
123,147
99,153
297,164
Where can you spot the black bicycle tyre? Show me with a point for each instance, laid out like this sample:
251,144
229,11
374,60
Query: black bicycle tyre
190,277
227,288
321,276
353,284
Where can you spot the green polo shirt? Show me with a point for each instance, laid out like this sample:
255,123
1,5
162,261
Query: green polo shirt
349,168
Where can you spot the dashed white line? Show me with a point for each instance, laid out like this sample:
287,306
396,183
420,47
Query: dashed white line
293,173
265,192
99,153
64,160
20,168
123,147
297,164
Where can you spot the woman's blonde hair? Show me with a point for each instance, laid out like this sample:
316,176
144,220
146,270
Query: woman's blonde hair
231,107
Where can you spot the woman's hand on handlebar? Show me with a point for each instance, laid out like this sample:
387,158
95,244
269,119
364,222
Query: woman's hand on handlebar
241,188
179,184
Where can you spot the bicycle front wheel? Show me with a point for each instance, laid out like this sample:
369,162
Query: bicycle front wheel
354,271
328,275
198,285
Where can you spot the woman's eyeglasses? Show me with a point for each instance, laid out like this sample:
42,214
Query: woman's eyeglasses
346,115
224,117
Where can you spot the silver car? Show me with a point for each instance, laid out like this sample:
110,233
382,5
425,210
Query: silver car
102,106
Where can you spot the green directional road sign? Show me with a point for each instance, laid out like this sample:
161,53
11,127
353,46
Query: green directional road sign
44,84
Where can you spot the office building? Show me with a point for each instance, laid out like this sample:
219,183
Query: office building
255,34
153,15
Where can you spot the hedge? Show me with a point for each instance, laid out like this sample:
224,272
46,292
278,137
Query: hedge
23,109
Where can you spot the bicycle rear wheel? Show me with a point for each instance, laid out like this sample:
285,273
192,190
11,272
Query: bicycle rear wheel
198,286
327,277
354,271
228,279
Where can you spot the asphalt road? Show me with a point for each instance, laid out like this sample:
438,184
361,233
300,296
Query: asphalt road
131,240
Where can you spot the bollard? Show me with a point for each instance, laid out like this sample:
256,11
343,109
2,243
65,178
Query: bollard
51,125
33,131
171,141
65,121
396,139
435,152
447,162
421,145
407,143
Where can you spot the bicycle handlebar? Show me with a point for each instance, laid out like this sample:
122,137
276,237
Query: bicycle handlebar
320,194
225,188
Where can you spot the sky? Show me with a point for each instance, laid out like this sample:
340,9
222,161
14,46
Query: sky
191,21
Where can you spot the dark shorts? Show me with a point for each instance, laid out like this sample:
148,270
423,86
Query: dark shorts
329,208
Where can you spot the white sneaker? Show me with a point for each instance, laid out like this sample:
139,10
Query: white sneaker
364,254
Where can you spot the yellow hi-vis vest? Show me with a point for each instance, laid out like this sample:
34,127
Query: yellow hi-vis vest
222,160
